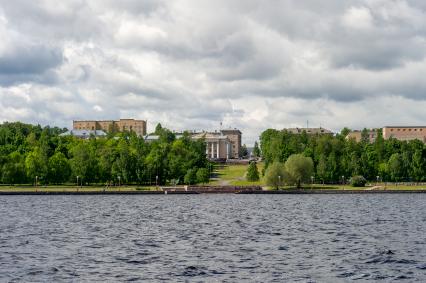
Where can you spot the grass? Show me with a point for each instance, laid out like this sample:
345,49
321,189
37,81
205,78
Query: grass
234,175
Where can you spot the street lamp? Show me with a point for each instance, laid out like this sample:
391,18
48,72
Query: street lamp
156,180
312,182
36,182
119,184
377,177
343,180
279,181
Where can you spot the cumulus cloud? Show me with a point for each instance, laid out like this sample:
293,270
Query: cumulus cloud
193,64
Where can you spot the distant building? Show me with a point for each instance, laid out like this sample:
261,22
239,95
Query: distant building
357,135
84,134
131,125
405,133
234,136
218,146
309,131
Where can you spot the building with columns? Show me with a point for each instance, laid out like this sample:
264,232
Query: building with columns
218,146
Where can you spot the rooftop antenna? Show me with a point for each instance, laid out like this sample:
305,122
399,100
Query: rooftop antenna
307,124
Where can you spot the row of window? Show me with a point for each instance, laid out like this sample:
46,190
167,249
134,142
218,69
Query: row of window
409,130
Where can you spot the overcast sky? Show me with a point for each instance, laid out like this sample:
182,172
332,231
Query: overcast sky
249,64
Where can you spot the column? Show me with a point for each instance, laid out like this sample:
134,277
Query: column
212,153
217,149
227,150
207,149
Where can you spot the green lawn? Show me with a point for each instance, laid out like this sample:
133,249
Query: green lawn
234,175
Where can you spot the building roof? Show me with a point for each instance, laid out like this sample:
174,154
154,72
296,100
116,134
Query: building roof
408,127
311,131
84,133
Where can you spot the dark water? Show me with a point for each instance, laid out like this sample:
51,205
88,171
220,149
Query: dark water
213,238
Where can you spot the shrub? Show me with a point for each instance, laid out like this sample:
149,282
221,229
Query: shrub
191,176
252,172
203,175
358,181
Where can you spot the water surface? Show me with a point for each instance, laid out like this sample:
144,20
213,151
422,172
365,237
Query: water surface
213,238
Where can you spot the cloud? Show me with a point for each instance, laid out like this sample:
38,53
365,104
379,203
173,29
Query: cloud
194,64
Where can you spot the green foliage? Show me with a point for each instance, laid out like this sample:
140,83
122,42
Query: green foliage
358,181
191,176
335,156
299,168
59,169
275,175
28,151
203,175
256,149
243,151
252,172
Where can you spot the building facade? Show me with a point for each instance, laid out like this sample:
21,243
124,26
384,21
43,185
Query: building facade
84,134
405,133
234,136
218,146
131,125
357,135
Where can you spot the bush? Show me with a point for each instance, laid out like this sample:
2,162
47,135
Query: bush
358,181
252,172
191,176
203,175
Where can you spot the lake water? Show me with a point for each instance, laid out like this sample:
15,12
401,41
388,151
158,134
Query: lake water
213,238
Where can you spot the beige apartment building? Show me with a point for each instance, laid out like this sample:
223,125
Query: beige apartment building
357,135
131,125
405,133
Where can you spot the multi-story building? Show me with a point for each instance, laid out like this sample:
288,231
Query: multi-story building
309,131
357,135
223,144
234,136
405,133
137,126
218,146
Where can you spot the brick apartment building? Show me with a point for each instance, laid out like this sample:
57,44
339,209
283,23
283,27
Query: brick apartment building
137,126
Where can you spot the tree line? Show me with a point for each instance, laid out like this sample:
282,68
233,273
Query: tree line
28,152
336,159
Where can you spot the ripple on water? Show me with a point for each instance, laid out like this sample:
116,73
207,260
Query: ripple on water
229,238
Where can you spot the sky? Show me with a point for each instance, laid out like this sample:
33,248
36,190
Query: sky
194,64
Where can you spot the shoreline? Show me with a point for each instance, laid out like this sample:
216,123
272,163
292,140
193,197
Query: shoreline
281,192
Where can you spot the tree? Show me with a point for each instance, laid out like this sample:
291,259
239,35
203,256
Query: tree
418,166
299,168
13,171
256,149
36,165
191,176
275,175
59,169
203,175
395,166
243,151
252,172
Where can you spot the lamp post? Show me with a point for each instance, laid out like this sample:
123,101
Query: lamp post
279,181
36,179
343,180
377,178
156,180
312,182
119,183
77,183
